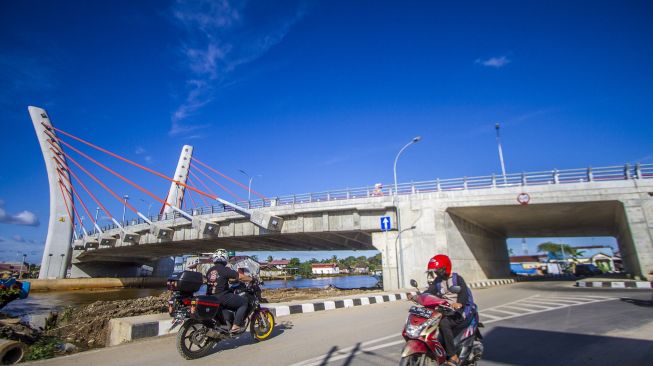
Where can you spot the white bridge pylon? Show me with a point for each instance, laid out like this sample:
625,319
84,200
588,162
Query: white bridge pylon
58,253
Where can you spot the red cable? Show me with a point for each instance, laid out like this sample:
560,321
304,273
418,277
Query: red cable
126,160
85,188
218,183
229,178
201,197
191,197
102,184
61,175
72,222
114,173
90,216
201,181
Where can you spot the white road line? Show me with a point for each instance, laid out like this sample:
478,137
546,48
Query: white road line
538,304
501,311
561,301
488,316
519,308
346,352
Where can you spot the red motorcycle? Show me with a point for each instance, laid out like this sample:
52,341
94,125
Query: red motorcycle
424,343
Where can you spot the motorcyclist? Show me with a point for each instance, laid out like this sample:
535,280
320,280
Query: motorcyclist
440,279
217,279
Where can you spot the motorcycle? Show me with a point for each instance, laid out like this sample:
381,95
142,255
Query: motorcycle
204,322
424,343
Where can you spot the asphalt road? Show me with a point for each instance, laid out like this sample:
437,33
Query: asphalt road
526,324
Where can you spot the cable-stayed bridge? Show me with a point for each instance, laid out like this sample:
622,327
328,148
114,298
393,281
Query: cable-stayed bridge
468,218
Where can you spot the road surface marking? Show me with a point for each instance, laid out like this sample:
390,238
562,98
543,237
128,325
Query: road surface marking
361,348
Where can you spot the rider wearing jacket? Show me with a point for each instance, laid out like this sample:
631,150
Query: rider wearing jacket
440,278
217,279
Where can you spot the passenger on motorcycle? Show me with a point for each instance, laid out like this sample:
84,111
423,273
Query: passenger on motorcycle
217,279
440,278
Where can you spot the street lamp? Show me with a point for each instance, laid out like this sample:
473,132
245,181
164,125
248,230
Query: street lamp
149,206
47,269
394,199
503,165
20,275
249,187
124,208
60,265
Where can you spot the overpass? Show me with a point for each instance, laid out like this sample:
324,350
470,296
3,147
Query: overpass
468,218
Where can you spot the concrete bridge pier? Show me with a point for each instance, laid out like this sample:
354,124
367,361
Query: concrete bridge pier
476,253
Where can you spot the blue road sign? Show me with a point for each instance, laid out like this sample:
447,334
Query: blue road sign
386,223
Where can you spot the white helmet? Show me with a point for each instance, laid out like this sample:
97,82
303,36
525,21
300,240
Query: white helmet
220,256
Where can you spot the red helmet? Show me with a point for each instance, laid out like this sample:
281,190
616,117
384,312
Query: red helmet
441,265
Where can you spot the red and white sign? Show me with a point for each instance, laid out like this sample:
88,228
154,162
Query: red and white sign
523,198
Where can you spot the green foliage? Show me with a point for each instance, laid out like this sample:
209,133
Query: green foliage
45,347
558,248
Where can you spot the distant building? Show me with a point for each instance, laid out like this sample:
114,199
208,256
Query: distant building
602,256
325,268
361,269
13,267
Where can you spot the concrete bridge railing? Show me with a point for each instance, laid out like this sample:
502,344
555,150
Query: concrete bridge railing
551,177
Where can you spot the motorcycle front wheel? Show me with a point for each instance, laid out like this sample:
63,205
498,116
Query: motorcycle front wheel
192,341
261,326
417,359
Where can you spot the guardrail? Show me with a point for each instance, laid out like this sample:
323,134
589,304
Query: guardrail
600,174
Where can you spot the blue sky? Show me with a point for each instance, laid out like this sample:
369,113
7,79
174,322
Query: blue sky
317,95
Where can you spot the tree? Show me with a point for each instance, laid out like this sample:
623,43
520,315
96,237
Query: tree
270,259
334,259
557,248
254,257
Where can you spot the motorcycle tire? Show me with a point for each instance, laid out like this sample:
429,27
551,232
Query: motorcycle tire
259,330
188,337
417,359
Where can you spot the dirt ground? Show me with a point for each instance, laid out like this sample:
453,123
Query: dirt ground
86,326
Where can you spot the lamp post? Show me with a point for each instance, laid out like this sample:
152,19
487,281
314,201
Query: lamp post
20,275
47,269
249,187
61,265
394,199
124,208
149,205
503,165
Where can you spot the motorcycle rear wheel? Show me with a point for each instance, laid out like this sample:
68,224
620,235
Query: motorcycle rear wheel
258,328
417,359
192,341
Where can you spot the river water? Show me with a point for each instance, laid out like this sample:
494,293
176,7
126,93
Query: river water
45,302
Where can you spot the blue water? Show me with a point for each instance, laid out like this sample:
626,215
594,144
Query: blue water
321,282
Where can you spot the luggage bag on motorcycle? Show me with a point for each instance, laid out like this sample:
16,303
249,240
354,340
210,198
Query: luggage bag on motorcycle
186,281
204,307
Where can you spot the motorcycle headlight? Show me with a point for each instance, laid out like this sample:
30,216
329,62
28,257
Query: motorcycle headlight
414,331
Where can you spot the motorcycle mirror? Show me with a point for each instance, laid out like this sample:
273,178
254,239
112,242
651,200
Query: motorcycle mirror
413,283
454,289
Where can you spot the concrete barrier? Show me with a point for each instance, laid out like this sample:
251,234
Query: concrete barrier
123,330
11,352
93,283
616,284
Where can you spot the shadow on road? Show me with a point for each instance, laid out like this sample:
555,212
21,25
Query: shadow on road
516,346
647,303
247,339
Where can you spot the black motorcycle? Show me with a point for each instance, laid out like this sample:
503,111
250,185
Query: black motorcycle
204,322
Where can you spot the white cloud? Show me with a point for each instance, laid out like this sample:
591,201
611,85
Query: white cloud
219,39
496,62
26,218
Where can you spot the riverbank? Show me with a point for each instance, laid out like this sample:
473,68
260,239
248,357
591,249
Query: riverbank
86,326
68,284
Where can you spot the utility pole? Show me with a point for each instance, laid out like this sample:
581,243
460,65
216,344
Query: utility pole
503,165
